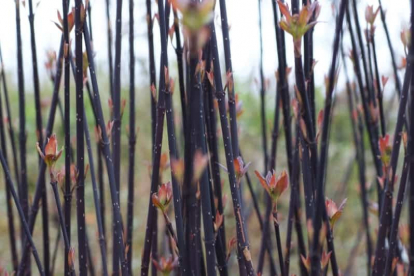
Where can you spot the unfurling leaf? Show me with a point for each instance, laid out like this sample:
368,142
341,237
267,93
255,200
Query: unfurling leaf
240,168
166,265
273,185
163,197
334,212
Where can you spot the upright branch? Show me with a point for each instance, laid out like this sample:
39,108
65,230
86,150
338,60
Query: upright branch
262,90
151,57
132,136
68,189
153,102
229,71
24,196
116,130
109,42
36,84
370,17
180,65
322,165
308,65
96,198
39,132
80,15
410,153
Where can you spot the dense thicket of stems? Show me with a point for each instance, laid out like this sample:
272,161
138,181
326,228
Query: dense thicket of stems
196,244
26,229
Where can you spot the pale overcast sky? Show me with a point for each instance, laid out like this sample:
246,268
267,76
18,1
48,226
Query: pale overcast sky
244,34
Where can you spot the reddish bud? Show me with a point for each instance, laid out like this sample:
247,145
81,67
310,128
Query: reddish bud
334,213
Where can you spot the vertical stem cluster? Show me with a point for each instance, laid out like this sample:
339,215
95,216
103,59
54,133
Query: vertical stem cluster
245,262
